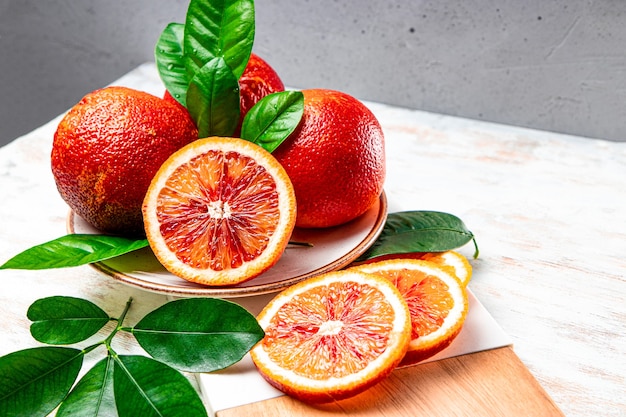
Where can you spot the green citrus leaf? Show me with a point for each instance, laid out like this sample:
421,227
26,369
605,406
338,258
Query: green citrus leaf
93,395
168,55
198,334
273,119
222,28
420,231
34,381
213,99
64,320
148,388
73,250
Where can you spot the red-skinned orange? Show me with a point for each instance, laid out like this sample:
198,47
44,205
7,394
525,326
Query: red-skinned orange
335,159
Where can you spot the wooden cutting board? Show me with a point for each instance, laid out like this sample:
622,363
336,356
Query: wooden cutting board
488,383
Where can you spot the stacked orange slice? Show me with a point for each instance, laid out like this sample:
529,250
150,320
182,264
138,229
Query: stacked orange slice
437,300
332,336
335,335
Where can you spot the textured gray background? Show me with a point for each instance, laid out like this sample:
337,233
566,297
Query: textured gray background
555,65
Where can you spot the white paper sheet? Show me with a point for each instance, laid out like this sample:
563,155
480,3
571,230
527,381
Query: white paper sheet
241,383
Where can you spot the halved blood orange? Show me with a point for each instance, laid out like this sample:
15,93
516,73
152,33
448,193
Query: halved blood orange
332,336
219,211
436,298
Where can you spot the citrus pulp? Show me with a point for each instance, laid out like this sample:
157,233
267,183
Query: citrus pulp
437,301
332,336
219,211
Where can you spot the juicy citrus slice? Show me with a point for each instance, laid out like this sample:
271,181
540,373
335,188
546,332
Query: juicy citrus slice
457,263
332,336
219,211
437,301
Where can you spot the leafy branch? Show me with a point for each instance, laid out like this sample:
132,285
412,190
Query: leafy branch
200,63
187,335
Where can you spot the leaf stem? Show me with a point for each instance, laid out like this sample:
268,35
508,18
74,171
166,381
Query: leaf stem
120,322
296,243
476,250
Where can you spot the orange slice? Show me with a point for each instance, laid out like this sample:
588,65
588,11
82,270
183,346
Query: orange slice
219,211
332,336
437,301
456,262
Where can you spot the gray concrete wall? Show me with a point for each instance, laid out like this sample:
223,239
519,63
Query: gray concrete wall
556,65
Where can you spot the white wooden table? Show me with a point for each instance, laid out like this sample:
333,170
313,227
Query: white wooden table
548,211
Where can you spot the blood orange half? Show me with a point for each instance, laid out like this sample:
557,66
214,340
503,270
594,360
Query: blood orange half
219,211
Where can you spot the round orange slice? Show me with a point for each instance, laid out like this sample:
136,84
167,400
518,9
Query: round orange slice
437,302
219,211
332,336
456,262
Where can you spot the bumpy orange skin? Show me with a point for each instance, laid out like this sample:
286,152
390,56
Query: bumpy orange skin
335,159
257,81
107,149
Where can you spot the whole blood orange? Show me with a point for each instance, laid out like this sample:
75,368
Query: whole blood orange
332,336
257,81
335,159
108,147
219,211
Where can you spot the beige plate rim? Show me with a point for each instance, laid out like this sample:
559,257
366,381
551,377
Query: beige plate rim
252,290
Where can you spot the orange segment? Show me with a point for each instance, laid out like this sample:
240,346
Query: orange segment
332,336
437,302
219,212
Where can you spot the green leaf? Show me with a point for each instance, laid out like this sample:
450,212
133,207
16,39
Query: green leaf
73,250
213,99
34,381
168,55
93,395
420,231
147,388
221,28
273,119
198,334
65,320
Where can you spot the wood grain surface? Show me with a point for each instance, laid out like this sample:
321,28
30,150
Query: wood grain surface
484,384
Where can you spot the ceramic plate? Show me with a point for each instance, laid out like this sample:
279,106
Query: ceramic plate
332,249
